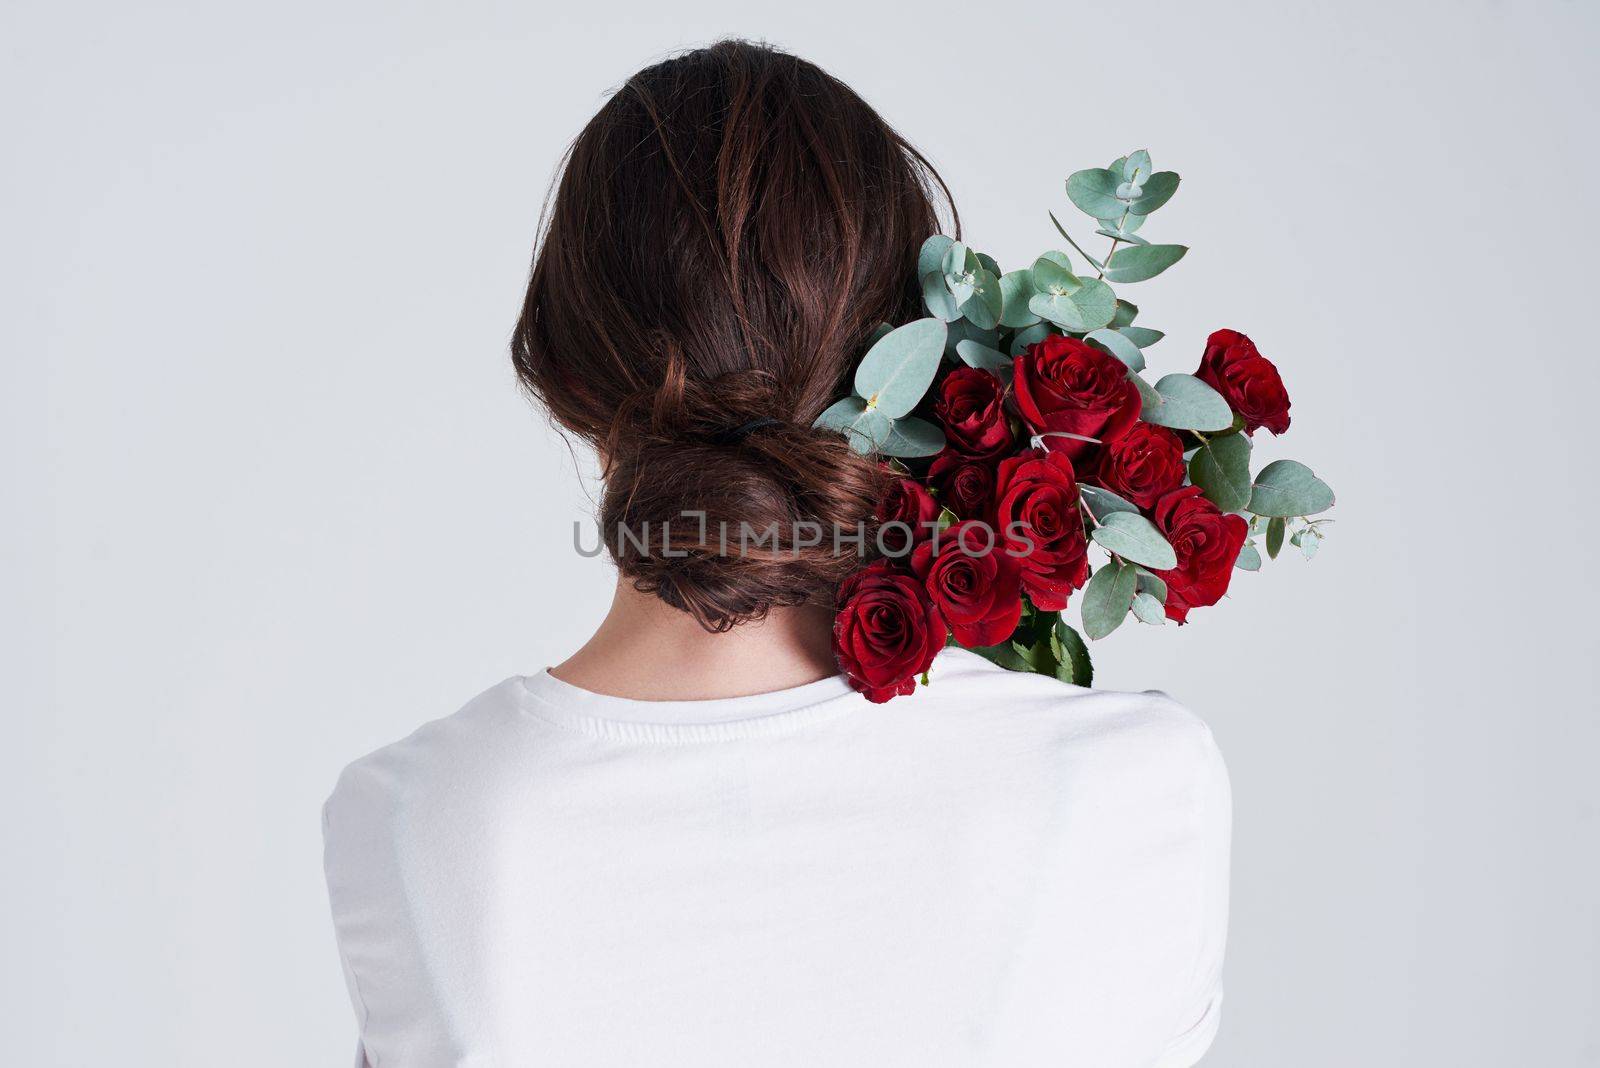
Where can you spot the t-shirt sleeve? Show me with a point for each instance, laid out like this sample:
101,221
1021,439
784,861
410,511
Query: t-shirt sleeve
1200,1006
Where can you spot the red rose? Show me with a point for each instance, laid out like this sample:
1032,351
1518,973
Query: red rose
1141,463
905,501
886,632
965,485
977,587
1247,380
1039,522
971,409
1207,542
1067,387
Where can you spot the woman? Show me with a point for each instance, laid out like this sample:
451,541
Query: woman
692,842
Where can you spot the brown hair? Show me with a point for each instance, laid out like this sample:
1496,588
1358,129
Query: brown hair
728,231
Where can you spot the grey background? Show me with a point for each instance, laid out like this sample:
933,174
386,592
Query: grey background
272,499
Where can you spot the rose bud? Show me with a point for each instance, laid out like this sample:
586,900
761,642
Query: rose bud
965,485
1207,542
907,502
886,631
971,409
1141,463
976,586
1247,380
1039,522
1065,386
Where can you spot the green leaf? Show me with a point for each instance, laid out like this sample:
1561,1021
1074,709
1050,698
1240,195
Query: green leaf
865,428
909,436
1130,238
930,259
1249,557
1137,263
1158,189
1102,502
1153,584
1149,610
1183,402
1126,314
1016,289
1310,542
1094,192
1088,307
983,308
1133,537
940,302
1048,274
1275,537
987,262
1005,654
984,358
962,330
1141,336
1287,488
1107,598
897,371
1221,469
1030,336
1072,655
1119,346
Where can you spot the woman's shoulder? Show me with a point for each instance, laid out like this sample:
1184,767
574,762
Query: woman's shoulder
1074,716
437,759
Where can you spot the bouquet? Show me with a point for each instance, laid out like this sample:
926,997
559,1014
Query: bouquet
1033,458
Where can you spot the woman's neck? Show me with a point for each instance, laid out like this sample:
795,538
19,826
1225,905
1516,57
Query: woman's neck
647,650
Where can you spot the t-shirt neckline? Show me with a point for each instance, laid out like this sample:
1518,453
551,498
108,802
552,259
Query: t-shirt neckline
624,719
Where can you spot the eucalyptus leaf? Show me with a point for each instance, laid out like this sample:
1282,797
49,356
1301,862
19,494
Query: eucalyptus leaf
987,262
1158,189
985,359
1136,164
1275,530
1126,313
1153,584
1072,655
1249,558
1030,336
1107,598
897,371
1141,336
962,330
1088,307
1119,346
1016,288
1149,610
1102,502
1133,537
1183,402
1049,275
930,259
1221,468
1288,488
1129,237
1123,224
1094,192
1138,263
865,428
940,302
983,308
911,437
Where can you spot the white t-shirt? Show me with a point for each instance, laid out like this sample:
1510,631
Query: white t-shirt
997,870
